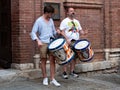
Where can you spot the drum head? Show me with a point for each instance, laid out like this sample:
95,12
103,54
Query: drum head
55,44
81,44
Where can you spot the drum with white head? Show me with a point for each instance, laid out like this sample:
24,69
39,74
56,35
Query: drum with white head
83,49
61,51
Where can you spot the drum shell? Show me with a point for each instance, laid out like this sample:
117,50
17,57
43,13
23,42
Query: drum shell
85,54
63,53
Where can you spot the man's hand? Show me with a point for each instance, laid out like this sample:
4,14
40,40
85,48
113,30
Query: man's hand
58,31
39,43
85,32
68,41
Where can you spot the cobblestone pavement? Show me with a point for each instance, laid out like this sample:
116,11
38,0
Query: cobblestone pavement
96,82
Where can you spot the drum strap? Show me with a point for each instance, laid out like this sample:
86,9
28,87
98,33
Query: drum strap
51,39
74,25
74,28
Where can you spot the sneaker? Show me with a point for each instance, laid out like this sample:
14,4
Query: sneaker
45,81
64,75
55,83
73,74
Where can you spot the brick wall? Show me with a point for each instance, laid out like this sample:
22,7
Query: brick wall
112,21
15,30
99,17
115,23
24,13
27,10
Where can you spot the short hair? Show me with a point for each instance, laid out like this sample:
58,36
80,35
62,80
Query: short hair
67,8
48,9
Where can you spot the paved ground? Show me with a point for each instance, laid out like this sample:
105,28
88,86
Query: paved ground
94,82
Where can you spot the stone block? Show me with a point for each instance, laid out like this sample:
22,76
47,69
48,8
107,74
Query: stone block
96,65
24,66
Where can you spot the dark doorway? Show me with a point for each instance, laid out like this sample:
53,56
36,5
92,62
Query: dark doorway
5,34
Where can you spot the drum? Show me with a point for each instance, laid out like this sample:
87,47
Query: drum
83,50
61,51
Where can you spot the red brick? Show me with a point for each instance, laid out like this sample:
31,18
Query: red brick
101,19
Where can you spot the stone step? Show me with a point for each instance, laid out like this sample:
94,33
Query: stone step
8,75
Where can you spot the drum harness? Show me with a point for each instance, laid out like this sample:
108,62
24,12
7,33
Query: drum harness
74,29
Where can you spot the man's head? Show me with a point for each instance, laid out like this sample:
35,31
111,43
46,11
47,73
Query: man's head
70,12
48,10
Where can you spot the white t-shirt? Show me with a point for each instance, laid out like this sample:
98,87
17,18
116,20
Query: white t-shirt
71,28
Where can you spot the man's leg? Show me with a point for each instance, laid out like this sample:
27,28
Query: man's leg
43,56
52,67
72,67
43,67
64,74
52,71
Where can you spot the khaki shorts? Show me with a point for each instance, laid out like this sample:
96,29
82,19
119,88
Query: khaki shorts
43,51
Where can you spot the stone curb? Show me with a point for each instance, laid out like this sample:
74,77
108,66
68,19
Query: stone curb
102,65
12,74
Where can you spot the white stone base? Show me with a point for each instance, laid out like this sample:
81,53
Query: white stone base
94,66
24,66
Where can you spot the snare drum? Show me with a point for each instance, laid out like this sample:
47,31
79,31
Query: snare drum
83,50
61,51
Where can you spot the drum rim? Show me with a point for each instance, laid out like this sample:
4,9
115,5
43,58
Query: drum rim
57,46
79,41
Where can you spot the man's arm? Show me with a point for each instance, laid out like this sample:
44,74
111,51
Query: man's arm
64,35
